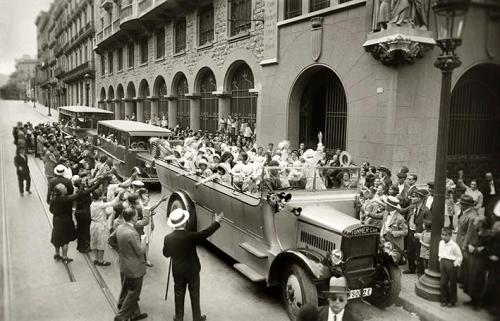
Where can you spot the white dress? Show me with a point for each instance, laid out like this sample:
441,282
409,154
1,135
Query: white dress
99,229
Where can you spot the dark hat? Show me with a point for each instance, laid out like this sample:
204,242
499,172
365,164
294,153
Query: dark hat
467,200
336,285
430,184
401,175
383,168
418,192
404,169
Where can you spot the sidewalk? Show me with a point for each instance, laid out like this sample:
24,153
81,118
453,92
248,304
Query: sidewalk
432,311
44,110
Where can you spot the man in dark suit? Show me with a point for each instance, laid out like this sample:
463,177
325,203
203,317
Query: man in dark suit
417,213
489,188
337,295
59,179
180,245
131,250
22,170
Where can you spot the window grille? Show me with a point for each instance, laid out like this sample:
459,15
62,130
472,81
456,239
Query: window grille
315,5
162,101
110,62
293,8
120,58
144,50
206,25
103,64
243,103
131,55
183,102
209,103
241,14
160,43
180,36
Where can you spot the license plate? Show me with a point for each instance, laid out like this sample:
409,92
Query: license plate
353,294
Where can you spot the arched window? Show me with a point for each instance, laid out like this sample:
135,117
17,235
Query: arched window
146,102
209,104
182,102
243,103
162,100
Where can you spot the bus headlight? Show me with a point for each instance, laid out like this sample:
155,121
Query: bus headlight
337,256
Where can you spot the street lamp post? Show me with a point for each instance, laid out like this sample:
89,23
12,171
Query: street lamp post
450,20
87,78
49,101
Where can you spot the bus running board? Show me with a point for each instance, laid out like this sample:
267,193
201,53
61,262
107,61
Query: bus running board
249,272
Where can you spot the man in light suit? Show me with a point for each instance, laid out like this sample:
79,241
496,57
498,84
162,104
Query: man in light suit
131,250
337,295
394,226
180,245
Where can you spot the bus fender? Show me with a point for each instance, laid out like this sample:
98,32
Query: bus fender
313,262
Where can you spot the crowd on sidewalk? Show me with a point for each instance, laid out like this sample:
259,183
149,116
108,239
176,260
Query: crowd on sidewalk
86,185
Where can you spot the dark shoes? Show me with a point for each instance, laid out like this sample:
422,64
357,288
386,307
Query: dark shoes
103,263
140,317
444,304
57,257
66,260
84,251
409,272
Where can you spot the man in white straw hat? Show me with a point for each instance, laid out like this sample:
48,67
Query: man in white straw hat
394,226
59,179
337,295
180,245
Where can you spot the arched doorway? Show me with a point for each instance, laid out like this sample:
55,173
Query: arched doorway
144,94
474,127
318,104
111,98
209,103
183,103
160,91
102,99
130,105
243,102
120,104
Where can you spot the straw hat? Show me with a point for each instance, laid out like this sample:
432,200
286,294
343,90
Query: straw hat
467,200
392,201
177,217
59,170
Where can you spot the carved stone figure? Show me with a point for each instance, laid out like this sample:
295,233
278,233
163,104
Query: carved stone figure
400,12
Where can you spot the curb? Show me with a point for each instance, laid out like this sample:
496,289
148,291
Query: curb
422,313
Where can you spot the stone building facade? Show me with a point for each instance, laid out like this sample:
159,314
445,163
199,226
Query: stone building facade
66,55
357,72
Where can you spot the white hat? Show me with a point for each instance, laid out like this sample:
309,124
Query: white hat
309,154
202,161
392,201
177,217
59,170
137,183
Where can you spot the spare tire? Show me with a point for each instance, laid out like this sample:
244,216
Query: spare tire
345,159
181,200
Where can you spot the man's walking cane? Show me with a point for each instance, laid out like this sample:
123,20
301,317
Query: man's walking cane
168,278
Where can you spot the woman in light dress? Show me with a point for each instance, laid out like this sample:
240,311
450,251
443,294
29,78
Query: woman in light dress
99,228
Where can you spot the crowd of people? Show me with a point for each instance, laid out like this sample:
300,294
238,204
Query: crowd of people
82,181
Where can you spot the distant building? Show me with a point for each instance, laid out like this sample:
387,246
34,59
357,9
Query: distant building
19,83
65,50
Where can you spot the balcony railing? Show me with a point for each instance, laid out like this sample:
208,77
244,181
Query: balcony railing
126,12
58,72
80,71
107,31
144,5
98,36
116,25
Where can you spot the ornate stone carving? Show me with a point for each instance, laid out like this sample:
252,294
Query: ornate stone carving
316,37
411,13
399,44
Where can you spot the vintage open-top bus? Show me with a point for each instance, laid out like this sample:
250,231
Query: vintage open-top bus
81,121
127,143
294,237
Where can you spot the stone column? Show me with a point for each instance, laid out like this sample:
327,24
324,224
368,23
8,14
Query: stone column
172,112
194,112
224,103
110,105
140,110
